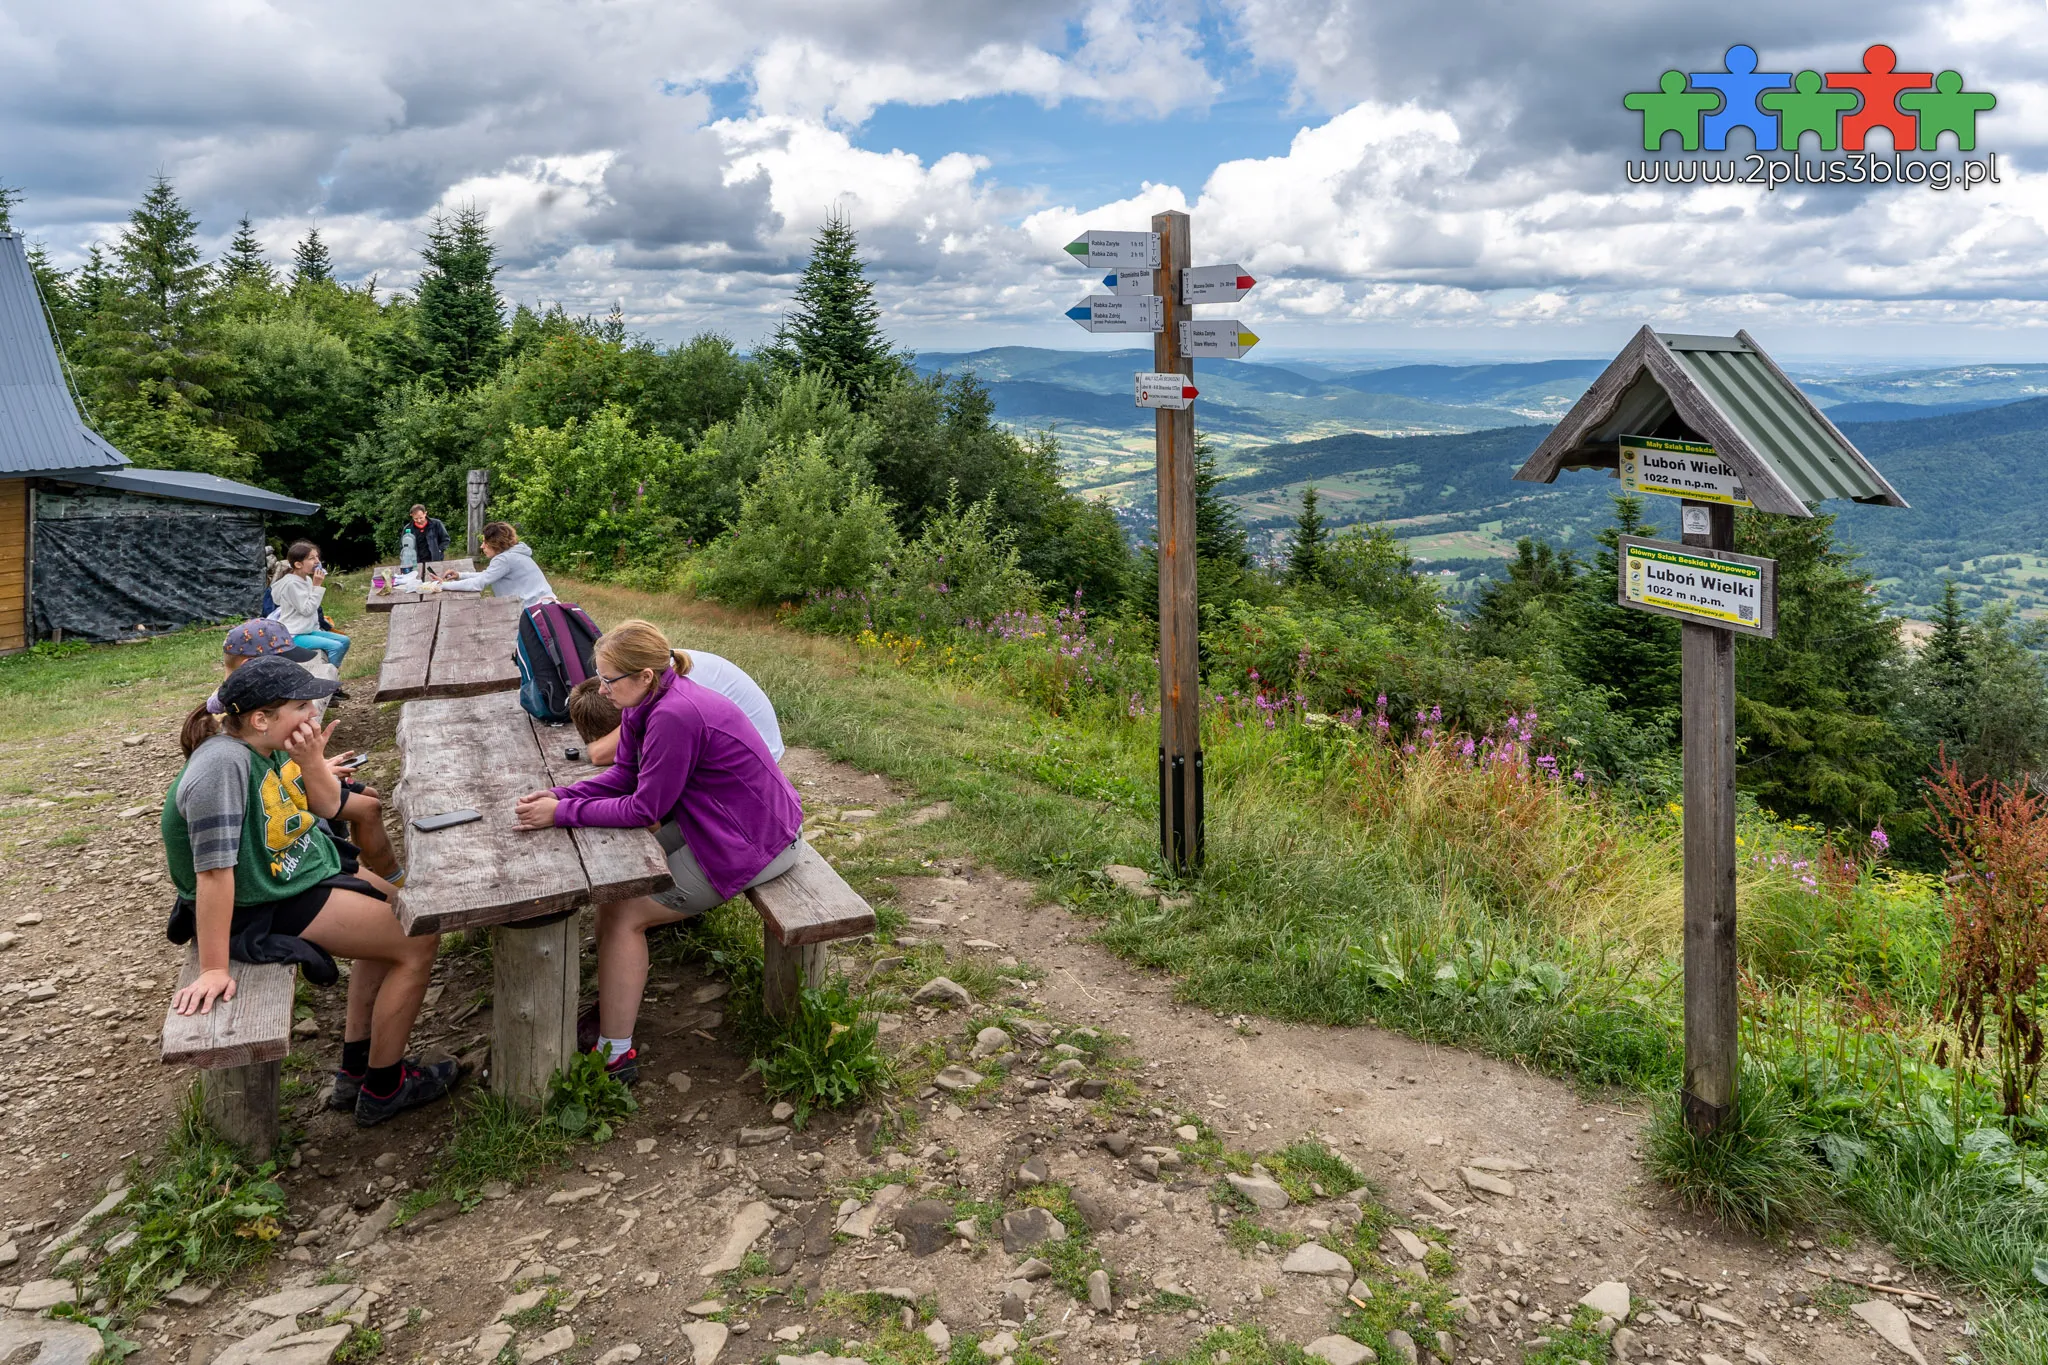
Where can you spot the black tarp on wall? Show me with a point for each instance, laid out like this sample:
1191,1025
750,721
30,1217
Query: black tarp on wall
106,563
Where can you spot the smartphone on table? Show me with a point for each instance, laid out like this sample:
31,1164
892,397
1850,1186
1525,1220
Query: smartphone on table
427,823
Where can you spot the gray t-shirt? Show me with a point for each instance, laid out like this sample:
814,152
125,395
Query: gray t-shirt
212,796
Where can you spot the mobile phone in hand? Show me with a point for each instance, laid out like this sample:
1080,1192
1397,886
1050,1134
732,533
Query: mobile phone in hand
354,763
426,823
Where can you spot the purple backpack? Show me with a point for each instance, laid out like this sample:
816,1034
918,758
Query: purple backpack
557,650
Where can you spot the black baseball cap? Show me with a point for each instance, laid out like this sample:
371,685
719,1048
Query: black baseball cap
267,680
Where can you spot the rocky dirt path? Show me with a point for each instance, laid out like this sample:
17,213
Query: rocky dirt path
709,1231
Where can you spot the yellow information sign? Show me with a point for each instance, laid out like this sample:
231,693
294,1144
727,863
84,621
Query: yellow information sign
1737,592
1679,469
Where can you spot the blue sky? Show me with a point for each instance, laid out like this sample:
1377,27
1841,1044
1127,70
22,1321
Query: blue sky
1443,177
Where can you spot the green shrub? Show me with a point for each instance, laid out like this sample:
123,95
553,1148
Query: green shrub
824,1055
201,1213
961,568
589,495
810,524
587,1101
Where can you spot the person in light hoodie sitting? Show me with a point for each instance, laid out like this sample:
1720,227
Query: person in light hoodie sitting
512,570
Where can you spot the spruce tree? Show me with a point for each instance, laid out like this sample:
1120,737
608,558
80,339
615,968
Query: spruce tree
160,266
1305,559
1815,707
457,314
1631,653
310,262
9,197
245,263
833,326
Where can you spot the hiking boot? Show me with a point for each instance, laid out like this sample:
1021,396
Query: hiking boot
625,1068
341,1094
417,1085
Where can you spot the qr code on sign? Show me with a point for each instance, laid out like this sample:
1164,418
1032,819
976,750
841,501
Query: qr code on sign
1745,612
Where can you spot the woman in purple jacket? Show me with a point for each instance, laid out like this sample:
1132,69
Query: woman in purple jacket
693,766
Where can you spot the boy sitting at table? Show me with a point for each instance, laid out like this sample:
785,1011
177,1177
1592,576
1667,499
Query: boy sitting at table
597,720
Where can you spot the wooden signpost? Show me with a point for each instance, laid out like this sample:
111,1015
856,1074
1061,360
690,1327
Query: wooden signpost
1153,287
1713,422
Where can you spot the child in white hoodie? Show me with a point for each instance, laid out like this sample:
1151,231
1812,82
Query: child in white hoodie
298,595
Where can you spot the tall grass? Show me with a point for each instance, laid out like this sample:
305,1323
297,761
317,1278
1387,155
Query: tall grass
1361,874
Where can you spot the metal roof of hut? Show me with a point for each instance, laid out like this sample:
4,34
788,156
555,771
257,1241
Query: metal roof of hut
1726,392
40,430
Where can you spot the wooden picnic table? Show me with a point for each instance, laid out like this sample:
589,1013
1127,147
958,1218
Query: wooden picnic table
482,753
450,645
387,600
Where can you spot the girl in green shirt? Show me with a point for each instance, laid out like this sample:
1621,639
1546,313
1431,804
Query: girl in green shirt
258,880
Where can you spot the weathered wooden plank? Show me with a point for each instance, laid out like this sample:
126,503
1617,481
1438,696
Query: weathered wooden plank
786,970
473,646
1712,1006
621,863
255,1026
534,979
408,650
810,903
241,1104
387,600
477,753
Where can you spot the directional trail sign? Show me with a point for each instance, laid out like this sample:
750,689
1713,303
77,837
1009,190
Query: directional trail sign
1222,338
1679,469
1214,284
1128,281
1165,390
1117,250
1120,313
1707,587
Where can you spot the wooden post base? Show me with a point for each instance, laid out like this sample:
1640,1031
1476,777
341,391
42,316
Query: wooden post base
241,1104
1703,1119
533,1006
785,971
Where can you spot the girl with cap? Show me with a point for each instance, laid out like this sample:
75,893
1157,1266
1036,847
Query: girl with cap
360,806
690,763
259,881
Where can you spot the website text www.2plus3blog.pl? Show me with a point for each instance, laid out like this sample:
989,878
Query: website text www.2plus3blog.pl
1858,168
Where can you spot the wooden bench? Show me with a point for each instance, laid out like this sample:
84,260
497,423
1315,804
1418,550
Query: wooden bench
801,911
239,1048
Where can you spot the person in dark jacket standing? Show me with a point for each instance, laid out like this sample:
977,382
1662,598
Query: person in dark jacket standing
429,538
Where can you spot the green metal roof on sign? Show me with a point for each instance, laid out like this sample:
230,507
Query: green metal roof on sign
1724,391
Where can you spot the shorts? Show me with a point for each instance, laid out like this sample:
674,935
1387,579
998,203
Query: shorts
692,893
291,916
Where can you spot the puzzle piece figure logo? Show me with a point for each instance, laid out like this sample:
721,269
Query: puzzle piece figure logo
1740,85
1880,86
1841,108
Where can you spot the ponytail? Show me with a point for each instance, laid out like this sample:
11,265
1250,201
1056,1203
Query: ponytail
679,660
197,729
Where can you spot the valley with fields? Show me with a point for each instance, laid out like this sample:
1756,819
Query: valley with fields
1430,449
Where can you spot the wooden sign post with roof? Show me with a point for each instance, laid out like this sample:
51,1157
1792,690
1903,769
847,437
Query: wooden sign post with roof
1714,422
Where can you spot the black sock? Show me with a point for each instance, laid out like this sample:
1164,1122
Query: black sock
355,1056
381,1082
